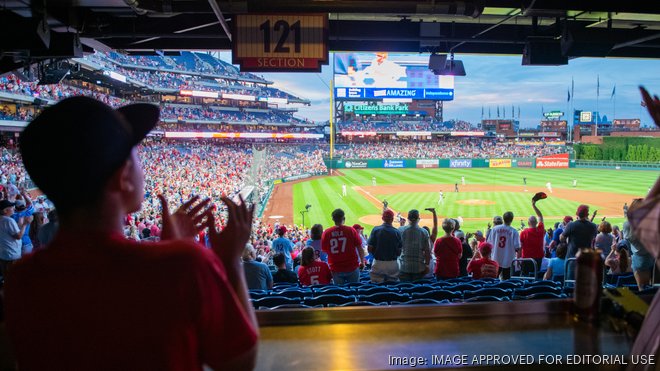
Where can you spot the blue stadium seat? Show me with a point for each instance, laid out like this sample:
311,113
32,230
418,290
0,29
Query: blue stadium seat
540,295
329,299
417,289
362,304
625,280
281,285
375,290
463,287
485,298
546,283
422,301
507,284
291,306
335,291
384,297
258,294
402,285
294,293
425,281
273,301
490,291
536,290
438,294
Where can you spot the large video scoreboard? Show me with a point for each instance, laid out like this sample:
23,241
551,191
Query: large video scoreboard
377,76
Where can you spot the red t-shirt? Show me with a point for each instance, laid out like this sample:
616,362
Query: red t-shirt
483,268
341,243
105,303
531,242
447,251
318,273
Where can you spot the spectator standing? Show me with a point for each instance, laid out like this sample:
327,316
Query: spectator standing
447,250
283,245
604,239
48,231
11,234
385,244
506,243
314,242
24,210
466,255
343,246
416,250
580,233
532,241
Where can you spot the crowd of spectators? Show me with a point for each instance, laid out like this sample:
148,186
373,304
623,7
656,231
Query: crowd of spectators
403,124
209,114
182,81
12,84
450,148
233,128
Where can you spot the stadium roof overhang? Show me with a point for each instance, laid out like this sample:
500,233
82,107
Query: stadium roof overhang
594,28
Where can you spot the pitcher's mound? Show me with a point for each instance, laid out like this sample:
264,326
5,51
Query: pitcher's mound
475,202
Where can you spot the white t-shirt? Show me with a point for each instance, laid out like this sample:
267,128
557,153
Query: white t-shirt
505,241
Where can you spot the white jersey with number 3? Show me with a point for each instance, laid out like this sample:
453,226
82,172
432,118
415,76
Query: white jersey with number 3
505,241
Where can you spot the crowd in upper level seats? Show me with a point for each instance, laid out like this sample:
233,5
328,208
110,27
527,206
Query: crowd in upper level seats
451,148
190,62
404,124
226,128
12,84
218,114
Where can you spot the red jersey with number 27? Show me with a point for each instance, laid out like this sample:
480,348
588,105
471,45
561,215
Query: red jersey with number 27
341,244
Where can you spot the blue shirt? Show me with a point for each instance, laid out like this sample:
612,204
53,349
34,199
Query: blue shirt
284,246
387,242
557,266
556,234
26,241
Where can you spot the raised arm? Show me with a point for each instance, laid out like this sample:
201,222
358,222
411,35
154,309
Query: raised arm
537,211
434,230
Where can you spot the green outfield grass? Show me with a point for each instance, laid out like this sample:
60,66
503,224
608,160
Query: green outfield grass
325,194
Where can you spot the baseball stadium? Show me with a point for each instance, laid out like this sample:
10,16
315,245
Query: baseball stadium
330,185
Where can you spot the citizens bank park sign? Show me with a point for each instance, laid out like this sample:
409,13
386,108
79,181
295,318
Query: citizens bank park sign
559,161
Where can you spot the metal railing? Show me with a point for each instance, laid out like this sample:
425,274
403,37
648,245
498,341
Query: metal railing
522,270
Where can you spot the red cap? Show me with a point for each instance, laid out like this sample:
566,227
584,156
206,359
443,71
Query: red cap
388,214
282,229
582,211
568,219
357,226
485,248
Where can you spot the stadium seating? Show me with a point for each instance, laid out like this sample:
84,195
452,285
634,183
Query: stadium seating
327,299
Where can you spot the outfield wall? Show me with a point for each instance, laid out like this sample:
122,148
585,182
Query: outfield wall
547,162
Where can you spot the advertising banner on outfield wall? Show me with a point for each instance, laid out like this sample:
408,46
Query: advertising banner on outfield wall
525,163
355,164
499,162
460,163
393,163
425,164
559,161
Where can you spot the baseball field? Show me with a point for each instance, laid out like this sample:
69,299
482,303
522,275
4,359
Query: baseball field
487,192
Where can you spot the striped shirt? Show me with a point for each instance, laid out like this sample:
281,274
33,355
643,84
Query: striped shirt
416,243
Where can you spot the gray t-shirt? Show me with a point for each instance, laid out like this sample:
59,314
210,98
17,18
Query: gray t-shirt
10,248
580,233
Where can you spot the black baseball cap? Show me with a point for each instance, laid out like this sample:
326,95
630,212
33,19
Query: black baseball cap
72,148
5,204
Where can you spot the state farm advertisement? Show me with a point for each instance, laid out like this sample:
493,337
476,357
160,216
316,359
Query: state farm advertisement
559,161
